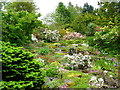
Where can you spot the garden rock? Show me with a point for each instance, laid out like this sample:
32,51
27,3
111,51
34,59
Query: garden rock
71,51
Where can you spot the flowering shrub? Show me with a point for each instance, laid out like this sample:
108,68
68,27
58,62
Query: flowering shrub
97,82
73,35
79,60
52,35
107,39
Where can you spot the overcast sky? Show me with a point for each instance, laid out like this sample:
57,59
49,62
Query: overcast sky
48,6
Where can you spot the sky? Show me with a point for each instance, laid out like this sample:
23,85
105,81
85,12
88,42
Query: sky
48,6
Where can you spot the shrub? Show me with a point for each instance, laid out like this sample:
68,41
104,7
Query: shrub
79,61
107,39
38,32
20,69
52,35
73,35
91,29
17,27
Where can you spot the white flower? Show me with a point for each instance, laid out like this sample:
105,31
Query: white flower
93,78
105,72
101,80
98,85
75,44
73,62
111,76
84,44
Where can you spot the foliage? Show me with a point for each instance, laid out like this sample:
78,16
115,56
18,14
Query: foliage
108,12
44,50
52,35
52,69
17,27
91,29
82,21
63,15
22,6
106,64
55,84
88,8
74,11
38,32
107,39
20,69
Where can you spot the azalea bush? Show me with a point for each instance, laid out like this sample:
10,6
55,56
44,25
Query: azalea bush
79,61
72,35
52,35
20,69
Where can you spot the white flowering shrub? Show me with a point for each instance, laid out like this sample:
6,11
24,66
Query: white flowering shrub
79,60
97,82
52,35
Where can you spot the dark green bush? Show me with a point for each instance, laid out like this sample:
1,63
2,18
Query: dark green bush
20,69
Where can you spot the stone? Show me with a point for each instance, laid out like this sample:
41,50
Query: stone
71,51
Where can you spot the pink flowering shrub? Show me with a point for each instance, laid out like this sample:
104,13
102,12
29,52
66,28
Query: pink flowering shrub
72,35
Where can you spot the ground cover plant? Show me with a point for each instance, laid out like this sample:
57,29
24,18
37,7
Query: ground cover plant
76,50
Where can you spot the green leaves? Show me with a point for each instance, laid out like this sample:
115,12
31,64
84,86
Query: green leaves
107,39
20,69
18,26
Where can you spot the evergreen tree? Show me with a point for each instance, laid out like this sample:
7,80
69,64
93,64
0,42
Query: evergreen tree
62,14
88,8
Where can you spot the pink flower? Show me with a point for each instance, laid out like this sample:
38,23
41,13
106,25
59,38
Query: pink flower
98,27
23,48
97,52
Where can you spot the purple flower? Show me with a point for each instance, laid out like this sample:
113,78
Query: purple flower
93,71
113,59
23,48
115,65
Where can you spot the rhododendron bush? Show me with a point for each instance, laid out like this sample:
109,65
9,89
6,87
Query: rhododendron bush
72,35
